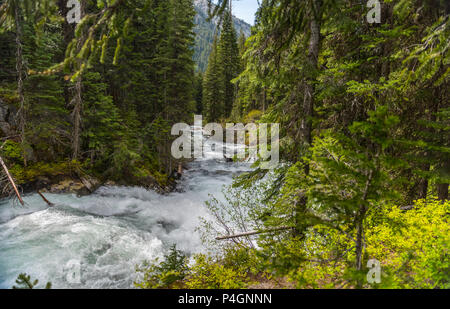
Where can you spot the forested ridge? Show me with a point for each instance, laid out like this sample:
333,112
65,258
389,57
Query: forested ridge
363,108
205,29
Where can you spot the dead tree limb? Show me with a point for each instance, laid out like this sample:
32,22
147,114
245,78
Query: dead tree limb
283,228
45,200
11,181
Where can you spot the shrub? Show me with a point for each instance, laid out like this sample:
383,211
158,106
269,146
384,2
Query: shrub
253,116
165,274
413,245
207,274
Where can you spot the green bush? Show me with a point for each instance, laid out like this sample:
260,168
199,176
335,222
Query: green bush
165,274
413,246
208,274
253,116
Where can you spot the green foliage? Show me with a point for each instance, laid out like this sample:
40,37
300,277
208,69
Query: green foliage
242,258
378,113
207,274
412,246
204,273
131,92
24,282
229,61
165,274
253,116
12,151
363,110
213,94
205,30
219,93
24,175
198,86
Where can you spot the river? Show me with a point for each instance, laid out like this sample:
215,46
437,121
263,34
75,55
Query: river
109,232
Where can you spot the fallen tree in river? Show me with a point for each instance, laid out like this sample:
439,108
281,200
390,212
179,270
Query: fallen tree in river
8,184
282,228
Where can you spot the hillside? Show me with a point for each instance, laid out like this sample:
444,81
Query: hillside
204,31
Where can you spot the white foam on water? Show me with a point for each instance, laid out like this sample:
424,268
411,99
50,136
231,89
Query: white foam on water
109,232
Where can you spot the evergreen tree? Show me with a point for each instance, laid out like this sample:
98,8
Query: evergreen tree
111,98
241,46
229,61
198,88
213,88
24,282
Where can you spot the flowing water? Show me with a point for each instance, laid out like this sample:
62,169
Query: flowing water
109,232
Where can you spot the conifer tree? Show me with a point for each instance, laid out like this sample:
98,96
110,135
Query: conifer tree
213,87
229,61
241,46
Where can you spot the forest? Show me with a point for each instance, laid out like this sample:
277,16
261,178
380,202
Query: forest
360,198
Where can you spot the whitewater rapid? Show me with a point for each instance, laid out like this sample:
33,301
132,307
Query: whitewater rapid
109,232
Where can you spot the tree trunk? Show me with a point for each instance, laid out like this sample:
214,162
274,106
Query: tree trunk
264,100
308,100
20,75
360,225
423,188
77,103
246,234
45,199
11,181
76,114
442,191
442,188
313,55
68,31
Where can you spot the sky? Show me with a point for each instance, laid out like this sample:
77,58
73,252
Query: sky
245,10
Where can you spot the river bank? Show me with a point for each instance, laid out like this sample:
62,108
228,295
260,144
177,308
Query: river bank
86,184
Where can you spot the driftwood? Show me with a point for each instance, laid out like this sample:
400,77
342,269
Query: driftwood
11,181
45,200
283,228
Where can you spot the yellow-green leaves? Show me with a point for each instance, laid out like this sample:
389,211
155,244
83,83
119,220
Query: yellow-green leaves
413,246
117,52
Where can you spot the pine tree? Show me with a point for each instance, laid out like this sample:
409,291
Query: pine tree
126,77
229,61
24,282
198,88
48,131
103,127
241,46
213,88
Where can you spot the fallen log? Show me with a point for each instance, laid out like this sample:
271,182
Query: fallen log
283,228
45,200
11,181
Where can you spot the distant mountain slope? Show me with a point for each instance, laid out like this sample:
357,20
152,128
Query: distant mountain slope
204,31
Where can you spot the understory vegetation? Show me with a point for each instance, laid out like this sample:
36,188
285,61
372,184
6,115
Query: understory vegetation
411,246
